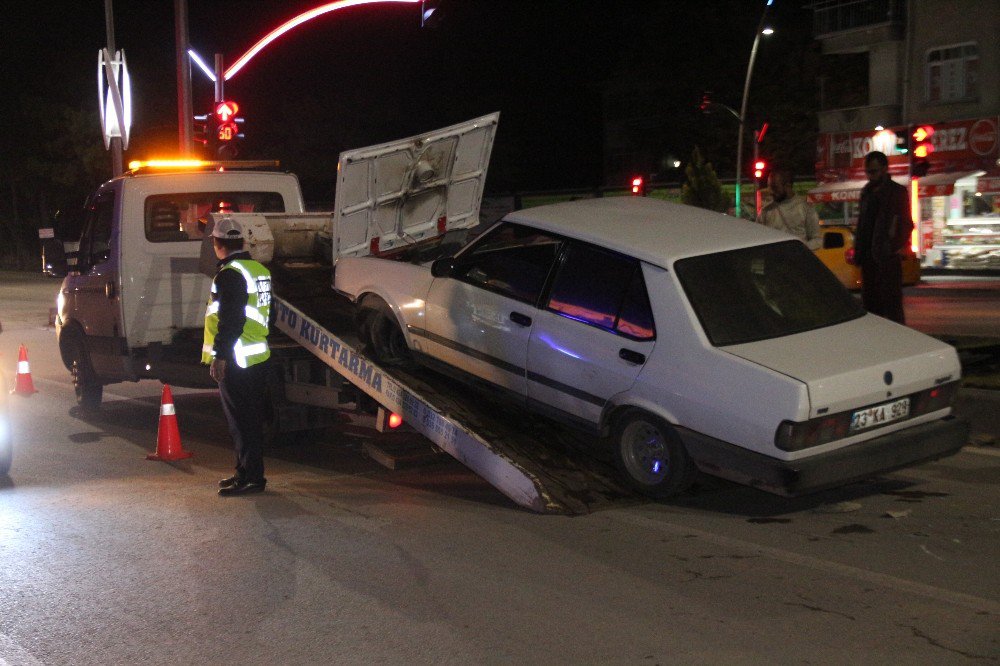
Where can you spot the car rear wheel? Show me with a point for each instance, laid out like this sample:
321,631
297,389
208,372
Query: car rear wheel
651,456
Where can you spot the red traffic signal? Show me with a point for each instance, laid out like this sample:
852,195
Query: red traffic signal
638,186
920,144
226,111
759,168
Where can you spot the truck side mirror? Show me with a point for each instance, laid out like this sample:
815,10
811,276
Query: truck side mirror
443,267
54,260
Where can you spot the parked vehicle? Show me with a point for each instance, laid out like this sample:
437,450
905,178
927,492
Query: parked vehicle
688,338
838,246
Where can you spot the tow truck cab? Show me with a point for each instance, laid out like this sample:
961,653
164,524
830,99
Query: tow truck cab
133,305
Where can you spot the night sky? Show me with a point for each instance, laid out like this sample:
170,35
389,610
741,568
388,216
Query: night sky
369,74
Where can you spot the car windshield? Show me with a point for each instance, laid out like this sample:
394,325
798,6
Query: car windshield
764,292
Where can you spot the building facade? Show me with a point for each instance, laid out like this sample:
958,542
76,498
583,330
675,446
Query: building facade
932,64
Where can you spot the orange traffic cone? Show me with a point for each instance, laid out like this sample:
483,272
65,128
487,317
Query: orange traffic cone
168,439
22,383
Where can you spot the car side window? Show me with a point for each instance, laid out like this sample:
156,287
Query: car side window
833,240
183,216
95,243
636,317
603,289
511,260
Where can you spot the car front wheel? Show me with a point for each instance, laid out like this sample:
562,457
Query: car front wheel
89,391
651,456
387,342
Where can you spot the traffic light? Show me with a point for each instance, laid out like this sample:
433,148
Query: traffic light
638,186
202,129
706,102
760,171
921,149
219,131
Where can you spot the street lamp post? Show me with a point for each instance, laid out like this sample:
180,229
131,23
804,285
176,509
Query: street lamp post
743,106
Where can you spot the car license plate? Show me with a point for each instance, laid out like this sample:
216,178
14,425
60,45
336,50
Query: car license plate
879,414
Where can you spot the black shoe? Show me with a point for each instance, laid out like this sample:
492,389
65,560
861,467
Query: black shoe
234,480
244,488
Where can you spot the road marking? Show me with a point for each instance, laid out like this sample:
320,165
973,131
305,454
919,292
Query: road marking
978,604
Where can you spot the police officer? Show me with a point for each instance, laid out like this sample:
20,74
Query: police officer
235,346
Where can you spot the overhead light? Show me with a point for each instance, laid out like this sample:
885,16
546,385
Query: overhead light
767,31
879,128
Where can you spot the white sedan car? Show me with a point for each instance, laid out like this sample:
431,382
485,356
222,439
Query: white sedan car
691,340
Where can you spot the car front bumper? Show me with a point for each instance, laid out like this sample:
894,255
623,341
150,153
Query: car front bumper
903,448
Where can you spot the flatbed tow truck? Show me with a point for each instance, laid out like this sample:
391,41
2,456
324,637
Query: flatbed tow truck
536,463
133,296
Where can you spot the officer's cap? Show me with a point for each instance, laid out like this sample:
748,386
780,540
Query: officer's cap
227,227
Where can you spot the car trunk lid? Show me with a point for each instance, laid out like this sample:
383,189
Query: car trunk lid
411,190
861,362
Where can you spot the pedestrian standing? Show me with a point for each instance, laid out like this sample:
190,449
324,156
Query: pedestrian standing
789,212
882,239
235,347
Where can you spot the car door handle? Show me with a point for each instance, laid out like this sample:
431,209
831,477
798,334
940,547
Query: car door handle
631,356
520,319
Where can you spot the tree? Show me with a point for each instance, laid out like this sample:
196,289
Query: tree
703,188
53,160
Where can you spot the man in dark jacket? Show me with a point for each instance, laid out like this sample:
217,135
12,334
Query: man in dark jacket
882,239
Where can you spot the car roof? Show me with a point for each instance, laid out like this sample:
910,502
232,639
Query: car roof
655,231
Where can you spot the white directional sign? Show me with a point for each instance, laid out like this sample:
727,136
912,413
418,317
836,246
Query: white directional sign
114,94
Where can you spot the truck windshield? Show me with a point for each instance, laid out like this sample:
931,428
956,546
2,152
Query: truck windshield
764,292
182,217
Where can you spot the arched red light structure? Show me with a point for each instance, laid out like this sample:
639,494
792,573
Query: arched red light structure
294,22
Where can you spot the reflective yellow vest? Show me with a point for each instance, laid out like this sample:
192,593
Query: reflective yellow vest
251,347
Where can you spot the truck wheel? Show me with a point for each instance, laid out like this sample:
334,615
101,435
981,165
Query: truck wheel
88,389
387,342
651,455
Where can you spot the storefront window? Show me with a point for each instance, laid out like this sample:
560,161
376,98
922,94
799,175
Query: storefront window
953,73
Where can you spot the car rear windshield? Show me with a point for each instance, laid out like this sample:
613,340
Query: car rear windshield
183,216
764,292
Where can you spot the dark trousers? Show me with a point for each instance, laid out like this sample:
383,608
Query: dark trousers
244,401
882,288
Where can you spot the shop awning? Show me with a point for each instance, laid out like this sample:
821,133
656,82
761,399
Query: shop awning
989,183
942,184
934,185
845,190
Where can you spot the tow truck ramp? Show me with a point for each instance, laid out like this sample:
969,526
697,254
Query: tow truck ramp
535,463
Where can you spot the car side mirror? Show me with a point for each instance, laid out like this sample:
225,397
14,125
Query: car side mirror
443,267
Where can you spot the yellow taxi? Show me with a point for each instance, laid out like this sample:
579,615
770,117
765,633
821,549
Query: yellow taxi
838,245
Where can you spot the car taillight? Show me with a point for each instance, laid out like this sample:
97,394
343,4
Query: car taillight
934,399
795,436
849,255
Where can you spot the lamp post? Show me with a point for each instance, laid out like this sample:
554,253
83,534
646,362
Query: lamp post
761,30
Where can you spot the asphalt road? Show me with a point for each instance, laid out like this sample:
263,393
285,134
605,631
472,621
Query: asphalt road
954,306
107,558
